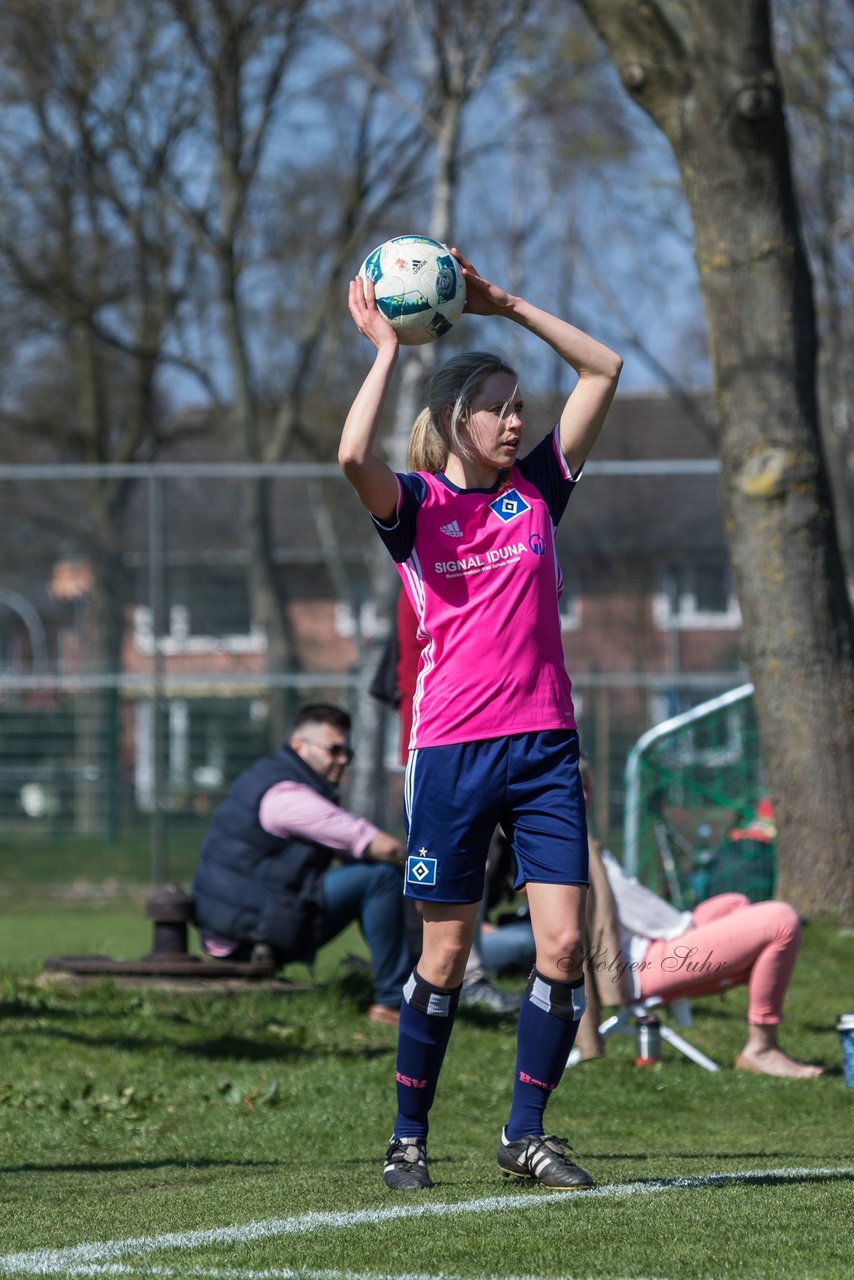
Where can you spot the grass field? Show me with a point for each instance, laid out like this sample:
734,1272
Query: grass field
149,1132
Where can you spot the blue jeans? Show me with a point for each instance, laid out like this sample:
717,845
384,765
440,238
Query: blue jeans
372,893
510,946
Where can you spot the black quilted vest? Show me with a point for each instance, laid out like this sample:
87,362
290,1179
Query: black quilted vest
254,887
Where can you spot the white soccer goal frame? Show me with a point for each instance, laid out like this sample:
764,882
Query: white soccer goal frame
631,812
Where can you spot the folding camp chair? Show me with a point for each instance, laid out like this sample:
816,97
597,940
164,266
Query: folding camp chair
622,1023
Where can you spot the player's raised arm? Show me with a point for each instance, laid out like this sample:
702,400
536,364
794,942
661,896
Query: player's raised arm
598,367
370,476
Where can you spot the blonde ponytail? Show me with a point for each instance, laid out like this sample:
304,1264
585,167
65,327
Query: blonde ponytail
427,451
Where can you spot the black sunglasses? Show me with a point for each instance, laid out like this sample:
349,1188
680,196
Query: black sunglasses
338,751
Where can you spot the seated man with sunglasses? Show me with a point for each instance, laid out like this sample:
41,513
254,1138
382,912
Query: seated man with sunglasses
266,874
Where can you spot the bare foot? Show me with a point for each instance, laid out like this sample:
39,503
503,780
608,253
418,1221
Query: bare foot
774,1062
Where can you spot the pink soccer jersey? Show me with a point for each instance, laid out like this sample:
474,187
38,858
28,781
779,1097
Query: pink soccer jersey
481,572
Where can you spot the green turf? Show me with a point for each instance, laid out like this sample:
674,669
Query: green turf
130,1112
33,866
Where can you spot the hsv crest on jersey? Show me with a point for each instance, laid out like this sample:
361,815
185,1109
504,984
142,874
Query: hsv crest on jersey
508,505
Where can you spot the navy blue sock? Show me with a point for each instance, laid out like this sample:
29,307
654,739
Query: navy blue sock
426,1021
548,1022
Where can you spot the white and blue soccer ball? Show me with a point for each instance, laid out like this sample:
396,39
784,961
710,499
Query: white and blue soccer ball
419,287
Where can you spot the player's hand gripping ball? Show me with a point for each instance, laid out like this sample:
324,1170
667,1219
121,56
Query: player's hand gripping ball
419,287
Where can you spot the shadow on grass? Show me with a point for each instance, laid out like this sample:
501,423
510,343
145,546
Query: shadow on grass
22,1009
41,1012
700,1182
637,1157
236,1047
124,1166
222,1047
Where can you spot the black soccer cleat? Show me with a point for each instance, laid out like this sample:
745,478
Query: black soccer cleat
406,1165
544,1160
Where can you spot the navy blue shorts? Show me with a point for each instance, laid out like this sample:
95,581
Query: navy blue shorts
455,796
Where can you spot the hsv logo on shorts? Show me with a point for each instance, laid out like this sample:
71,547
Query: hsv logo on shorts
420,869
508,505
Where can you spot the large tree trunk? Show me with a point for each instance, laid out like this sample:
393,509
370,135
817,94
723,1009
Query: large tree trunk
706,75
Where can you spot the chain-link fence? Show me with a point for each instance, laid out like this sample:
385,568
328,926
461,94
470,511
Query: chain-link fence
159,626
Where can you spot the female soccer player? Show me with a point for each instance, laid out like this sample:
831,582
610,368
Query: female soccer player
471,529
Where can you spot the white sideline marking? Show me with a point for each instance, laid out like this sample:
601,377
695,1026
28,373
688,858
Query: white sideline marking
86,1259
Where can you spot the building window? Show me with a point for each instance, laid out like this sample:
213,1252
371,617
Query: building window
696,597
365,621
206,612
213,602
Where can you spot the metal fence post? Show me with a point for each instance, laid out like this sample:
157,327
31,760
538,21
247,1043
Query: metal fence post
156,604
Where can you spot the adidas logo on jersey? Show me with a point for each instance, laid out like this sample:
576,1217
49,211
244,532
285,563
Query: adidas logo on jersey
453,529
